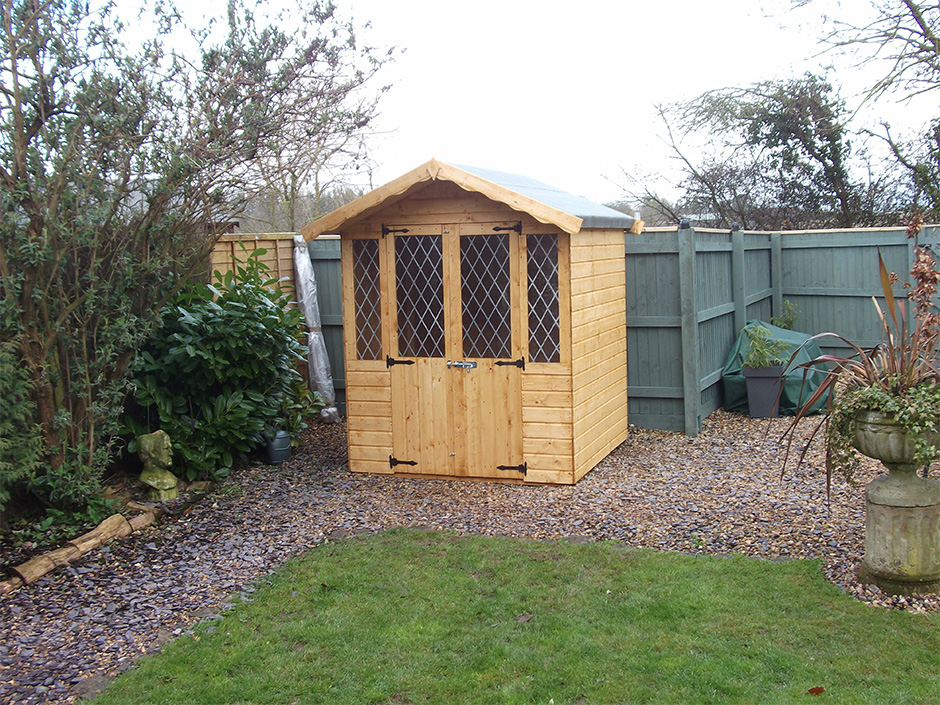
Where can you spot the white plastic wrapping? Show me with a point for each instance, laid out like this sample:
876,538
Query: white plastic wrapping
318,362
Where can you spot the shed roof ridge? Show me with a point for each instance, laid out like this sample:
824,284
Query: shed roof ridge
544,203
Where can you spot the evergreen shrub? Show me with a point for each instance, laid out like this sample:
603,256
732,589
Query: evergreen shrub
219,374
21,445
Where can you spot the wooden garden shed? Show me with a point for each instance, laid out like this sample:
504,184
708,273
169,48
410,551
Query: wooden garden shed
484,327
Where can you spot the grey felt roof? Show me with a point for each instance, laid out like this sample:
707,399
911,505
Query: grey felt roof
593,214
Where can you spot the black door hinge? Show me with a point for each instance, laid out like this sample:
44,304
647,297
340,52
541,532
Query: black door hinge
502,228
389,361
520,363
392,462
387,230
518,468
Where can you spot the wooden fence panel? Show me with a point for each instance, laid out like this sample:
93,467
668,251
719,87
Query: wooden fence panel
279,257
831,278
715,255
324,253
688,295
655,389
729,278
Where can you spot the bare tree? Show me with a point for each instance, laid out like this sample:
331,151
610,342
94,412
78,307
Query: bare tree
323,143
778,156
269,212
644,191
902,34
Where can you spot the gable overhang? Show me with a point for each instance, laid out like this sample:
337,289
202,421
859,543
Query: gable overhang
434,170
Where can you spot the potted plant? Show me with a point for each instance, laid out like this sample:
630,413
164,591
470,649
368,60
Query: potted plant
789,317
885,403
762,366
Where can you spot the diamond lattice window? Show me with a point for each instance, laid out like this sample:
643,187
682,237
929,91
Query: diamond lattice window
419,285
368,299
543,298
484,291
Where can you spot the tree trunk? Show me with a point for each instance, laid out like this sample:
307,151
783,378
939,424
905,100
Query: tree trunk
44,397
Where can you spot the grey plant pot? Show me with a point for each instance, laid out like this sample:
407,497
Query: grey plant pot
763,388
278,449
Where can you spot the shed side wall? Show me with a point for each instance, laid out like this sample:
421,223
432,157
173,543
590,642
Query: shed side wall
599,346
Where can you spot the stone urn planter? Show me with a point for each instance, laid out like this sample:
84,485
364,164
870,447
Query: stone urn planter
902,512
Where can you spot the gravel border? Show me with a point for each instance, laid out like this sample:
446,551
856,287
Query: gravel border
718,493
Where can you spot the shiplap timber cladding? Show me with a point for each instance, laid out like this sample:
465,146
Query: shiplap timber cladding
494,364
599,370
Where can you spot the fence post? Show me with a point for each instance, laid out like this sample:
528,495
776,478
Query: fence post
688,313
776,273
738,280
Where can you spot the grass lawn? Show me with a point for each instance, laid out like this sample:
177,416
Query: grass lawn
414,617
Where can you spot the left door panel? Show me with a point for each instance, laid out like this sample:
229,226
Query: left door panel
421,423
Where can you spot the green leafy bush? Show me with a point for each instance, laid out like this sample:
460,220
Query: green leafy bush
49,528
21,446
764,351
25,473
220,371
789,317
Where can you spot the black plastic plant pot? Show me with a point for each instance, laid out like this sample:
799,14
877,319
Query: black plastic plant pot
763,388
278,450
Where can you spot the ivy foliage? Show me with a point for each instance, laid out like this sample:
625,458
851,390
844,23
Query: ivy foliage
916,409
219,374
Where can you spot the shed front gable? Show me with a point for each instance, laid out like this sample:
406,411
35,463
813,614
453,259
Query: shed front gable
433,171
539,256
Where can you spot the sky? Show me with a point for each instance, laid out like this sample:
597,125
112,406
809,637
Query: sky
566,92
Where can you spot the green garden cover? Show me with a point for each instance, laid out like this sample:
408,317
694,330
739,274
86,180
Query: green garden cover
733,377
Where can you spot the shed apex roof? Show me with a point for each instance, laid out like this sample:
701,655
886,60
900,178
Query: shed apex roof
545,203
593,215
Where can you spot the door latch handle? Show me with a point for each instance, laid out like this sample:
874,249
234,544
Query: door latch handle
461,364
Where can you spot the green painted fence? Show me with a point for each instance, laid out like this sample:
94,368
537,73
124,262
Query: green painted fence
688,294
324,253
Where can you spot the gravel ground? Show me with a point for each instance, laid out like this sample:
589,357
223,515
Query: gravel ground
718,493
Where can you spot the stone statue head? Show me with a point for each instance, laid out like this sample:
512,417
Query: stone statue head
155,450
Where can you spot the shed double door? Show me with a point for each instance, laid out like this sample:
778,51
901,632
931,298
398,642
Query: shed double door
457,370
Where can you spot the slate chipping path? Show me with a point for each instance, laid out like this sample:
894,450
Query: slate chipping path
718,493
